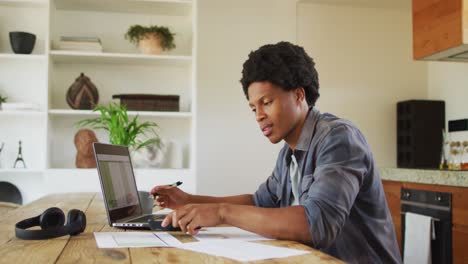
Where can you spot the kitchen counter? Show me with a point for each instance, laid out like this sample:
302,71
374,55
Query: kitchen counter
439,177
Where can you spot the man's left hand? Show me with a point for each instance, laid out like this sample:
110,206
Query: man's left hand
192,217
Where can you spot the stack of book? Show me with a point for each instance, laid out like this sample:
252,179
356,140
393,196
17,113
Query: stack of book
90,44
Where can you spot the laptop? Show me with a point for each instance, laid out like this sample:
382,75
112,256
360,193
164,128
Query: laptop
120,192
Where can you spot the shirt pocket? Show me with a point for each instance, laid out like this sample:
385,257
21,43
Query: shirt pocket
307,181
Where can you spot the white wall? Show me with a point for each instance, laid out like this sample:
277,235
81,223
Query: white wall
448,81
364,59
365,65
233,156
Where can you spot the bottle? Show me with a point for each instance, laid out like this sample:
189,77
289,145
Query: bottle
455,155
464,160
445,151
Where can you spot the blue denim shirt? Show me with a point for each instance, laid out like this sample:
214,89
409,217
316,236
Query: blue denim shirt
340,190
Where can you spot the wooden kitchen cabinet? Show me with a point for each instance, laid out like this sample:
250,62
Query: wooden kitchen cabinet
459,213
440,30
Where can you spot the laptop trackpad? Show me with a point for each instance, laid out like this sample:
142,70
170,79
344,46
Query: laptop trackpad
156,225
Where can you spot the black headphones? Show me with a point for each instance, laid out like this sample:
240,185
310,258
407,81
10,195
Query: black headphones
51,222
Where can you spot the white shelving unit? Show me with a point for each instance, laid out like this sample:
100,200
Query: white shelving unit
44,77
68,112
59,56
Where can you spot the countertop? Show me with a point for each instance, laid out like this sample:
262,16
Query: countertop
439,177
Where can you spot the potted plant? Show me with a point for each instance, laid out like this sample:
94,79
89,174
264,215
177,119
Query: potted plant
122,130
151,39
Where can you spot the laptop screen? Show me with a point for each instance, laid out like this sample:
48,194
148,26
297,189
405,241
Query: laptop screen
117,181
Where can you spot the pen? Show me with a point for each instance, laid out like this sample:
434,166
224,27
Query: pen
175,184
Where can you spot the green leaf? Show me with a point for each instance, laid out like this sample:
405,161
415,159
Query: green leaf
122,131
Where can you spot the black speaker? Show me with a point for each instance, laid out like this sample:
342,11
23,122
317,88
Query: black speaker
419,133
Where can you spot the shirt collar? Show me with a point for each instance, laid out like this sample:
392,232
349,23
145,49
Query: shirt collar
305,138
308,129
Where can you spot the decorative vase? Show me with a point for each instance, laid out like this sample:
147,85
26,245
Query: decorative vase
22,42
150,156
150,44
82,94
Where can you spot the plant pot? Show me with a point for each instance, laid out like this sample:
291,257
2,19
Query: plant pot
150,44
22,42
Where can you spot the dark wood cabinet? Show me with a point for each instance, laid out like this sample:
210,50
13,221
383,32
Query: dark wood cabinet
459,213
438,30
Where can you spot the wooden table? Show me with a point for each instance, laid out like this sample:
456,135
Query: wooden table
83,249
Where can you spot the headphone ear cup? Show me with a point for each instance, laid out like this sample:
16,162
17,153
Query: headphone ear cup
76,220
52,217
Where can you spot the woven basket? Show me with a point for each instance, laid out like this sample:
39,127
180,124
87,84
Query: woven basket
149,102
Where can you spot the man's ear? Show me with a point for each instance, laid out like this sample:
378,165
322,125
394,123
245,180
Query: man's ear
300,94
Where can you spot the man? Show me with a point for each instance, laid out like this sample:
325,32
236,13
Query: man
325,190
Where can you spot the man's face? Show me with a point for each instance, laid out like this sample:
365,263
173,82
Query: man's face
277,111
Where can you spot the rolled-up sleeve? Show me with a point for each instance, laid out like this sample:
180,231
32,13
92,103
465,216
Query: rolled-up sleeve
267,193
342,161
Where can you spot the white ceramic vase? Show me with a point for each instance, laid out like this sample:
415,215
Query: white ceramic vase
150,156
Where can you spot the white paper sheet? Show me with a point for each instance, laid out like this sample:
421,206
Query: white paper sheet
134,239
168,239
232,233
241,250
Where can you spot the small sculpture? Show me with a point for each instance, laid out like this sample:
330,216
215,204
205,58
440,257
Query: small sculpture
84,140
82,94
19,159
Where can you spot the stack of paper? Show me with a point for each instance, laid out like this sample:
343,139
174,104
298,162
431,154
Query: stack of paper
241,250
232,233
134,239
90,44
233,243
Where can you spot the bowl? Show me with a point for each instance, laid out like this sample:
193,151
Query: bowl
22,42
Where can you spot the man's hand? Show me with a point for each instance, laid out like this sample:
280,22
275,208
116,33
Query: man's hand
192,217
170,197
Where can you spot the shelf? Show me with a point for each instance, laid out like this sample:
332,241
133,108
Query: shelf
172,7
146,170
71,57
22,56
71,112
25,171
22,113
24,3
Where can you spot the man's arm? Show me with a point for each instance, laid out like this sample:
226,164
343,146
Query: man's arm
173,197
244,199
288,223
282,223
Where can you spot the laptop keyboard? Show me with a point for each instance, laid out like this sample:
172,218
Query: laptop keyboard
147,218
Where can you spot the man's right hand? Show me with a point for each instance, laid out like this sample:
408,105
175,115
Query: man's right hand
170,197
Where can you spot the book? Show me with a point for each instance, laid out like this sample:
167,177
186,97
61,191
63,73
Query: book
80,39
80,46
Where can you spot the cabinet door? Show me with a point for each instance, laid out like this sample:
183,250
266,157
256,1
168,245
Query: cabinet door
392,193
437,26
460,242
